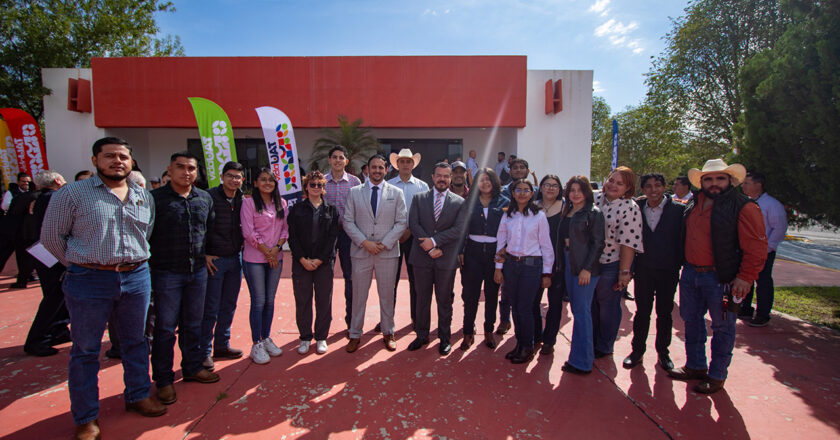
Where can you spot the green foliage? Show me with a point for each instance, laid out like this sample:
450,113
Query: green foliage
358,141
697,76
791,123
67,33
601,139
819,305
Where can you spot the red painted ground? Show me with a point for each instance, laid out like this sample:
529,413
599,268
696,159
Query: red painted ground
784,383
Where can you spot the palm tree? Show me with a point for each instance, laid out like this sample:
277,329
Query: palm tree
358,141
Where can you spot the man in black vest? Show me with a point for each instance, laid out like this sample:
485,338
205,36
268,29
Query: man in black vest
725,249
657,269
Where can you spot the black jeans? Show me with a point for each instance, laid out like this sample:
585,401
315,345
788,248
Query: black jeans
765,290
660,284
478,268
305,282
52,317
343,247
555,310
405,251
25,261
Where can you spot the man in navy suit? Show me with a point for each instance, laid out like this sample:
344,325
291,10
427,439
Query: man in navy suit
436,219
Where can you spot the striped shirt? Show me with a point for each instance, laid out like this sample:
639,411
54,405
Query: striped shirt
337,190
86,223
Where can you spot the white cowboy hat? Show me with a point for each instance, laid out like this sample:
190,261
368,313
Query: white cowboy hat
736,171
405,152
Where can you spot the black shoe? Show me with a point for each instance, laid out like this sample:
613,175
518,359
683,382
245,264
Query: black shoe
227,353
417,344
40,350
665,362
524,356
600,354
502,328
567,367
445,347
547,350
759,321
512,353
113,353
635,358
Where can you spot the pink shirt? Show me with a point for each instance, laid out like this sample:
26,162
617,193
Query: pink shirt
262,227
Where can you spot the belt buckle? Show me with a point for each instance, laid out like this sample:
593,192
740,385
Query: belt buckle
117,266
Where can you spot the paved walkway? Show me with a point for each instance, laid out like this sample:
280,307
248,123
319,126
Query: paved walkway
784,383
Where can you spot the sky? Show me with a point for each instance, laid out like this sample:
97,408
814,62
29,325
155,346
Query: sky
615,38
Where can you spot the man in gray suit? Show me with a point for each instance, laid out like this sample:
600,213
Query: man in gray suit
374,219
437,221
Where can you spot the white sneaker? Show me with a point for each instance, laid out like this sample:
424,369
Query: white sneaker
258,354
321,346
272,349
304,347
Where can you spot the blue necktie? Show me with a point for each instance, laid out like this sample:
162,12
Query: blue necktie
373,198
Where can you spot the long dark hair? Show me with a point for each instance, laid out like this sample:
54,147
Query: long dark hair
585,188
276,198
531,206
494,182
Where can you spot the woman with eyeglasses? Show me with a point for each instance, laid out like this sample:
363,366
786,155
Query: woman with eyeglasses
486,206
524,243
265,231
313,232
550,200
580,241
622,239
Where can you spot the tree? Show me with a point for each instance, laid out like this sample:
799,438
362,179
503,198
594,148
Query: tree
358,141
68,33
791,124
697,76
601,139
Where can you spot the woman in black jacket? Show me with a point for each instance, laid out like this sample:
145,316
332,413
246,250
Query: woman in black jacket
313,231
580,243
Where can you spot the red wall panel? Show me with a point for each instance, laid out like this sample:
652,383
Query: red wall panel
421,91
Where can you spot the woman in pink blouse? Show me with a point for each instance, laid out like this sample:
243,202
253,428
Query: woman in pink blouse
265,230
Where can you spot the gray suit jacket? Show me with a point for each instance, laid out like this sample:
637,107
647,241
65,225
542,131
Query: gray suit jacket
448,231
387,227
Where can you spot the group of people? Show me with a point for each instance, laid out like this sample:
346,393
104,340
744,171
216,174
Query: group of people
173,258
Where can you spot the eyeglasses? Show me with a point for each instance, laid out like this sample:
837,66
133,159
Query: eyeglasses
316,185
522,191
551,186
233,176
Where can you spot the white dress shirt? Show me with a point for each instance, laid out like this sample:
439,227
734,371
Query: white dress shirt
526,236
653,214
381,186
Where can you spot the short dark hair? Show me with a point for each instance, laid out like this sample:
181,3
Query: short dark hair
110,140
378,156
337,148
757,177
236,166
22,175
183,153
441,165
82,173
655,176
364,167
513,156
502,153
165,173
683,180
519,161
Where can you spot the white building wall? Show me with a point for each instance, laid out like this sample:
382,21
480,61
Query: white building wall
68,135
558,143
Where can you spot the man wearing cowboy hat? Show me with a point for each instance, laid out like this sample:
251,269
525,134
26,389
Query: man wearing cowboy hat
405,162
725,249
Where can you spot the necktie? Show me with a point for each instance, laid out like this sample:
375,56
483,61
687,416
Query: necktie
438,205
374,190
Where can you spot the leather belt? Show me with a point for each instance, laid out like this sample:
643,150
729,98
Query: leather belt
527,259
120,267
485,247
702,268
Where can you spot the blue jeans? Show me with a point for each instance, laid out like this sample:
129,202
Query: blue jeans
179,302
521,282
606,309
220,303
582,353
699,293
91,295
262,283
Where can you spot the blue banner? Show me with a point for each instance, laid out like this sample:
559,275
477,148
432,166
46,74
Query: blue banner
615,145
